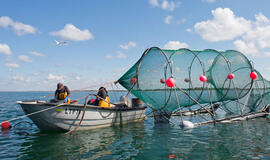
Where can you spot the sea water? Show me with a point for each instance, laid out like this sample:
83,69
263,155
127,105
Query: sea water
140,140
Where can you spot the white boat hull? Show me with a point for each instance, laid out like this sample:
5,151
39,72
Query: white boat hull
66,117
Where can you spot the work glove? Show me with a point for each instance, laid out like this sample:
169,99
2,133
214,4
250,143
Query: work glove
66,99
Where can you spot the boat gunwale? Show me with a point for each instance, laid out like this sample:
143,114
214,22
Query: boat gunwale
81,106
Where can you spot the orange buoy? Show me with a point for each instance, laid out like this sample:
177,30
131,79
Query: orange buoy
5,125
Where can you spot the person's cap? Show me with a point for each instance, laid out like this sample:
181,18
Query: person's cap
59,85
101,88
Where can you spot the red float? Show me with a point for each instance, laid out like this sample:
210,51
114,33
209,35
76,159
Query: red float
230,76
203,78
133,80
187,80
162,81
171,156
92,100
5,125
253,75
170,82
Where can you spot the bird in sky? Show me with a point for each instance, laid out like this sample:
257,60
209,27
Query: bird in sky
60,43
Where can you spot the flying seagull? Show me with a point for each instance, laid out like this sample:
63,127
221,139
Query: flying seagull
60,43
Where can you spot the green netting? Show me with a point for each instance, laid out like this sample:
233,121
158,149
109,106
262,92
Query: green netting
241,94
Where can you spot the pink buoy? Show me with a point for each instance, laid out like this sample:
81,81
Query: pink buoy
5,125
170,82
230,76
187,80
133,80
162,81
253,75
203,78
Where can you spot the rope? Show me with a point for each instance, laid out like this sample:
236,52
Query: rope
211,103
46,96
177,99
81,89
237,95
247,98
31,124
84,109
114,93
103,84
195,100
13,119
170,120
260,94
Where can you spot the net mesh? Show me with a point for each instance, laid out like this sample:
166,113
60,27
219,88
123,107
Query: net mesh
146,80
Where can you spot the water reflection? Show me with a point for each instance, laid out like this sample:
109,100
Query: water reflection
106,143
239,140
144,140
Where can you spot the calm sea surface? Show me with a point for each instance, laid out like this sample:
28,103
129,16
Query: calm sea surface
144,140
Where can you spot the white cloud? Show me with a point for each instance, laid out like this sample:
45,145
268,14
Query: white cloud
224,26
18,27
189,30
25,58
129,45
257,38
170,6
164,4
5,21
168,19
261,35
70,32
154,3
246,48
37,54
12,65
177,69
267,53
175,45
5,49
209,1
35,74
78,78
182,20
20,78
120,70
260,32
261,20
108,56
121,55
55,77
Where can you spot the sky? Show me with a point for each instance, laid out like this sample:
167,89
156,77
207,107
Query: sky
106,37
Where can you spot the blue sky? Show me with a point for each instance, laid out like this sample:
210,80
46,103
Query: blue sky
106,37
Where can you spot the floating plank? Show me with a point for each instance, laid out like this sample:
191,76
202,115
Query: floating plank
235,118
197,111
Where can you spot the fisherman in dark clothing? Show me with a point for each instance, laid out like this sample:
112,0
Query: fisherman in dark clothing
62,93
102,96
